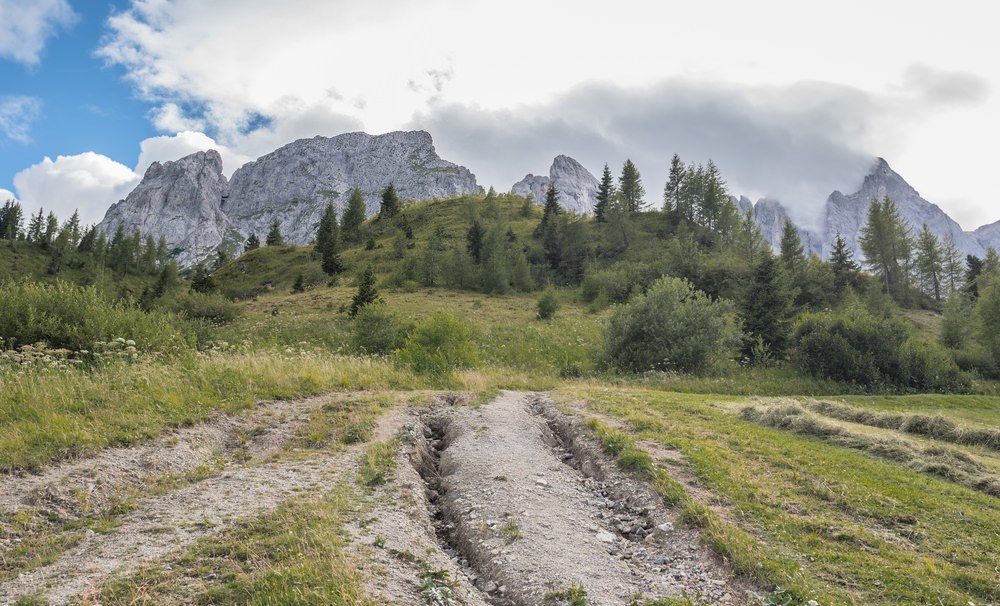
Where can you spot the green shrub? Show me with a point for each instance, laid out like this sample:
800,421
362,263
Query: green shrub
619,282
76,317
673,327
548,304
439,344
213,308
857,347
377,330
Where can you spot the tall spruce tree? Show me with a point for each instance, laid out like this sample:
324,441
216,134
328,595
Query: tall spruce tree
354,217
274,237
550,211
630,187
846,271
605,190
390,203
328,242
767,310
672,190
474,240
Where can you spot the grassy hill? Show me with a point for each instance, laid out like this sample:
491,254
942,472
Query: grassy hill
804,488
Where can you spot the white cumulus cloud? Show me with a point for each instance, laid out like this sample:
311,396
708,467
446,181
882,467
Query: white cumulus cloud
26,24
16,115
87,182
6,194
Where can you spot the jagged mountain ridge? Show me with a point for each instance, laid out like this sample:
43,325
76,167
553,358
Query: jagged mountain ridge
846,214
577,187
192,204
182,201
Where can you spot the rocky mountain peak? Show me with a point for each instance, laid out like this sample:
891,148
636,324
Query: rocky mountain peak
191,203
576,185
180,200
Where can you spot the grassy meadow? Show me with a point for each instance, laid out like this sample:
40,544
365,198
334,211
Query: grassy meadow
809,488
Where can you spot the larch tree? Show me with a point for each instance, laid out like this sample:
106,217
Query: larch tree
886,243
929,263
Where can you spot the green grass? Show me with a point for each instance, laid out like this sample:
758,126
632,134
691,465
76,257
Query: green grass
977,409
819,520
294,555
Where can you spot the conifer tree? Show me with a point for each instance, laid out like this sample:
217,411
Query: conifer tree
630,187
327,242
767,309
51,230
493,276
354,217
162,252
672,190
749,239
974,268
252,243
367,293
930,263
474,240
605,189
390,203
793,255
845,269
549,211
202,280
88,240
274,237
952,262
72,229
36,225
11,218
886,243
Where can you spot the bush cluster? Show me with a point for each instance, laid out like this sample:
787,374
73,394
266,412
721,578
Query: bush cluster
673,327
63,315
438,345
857,347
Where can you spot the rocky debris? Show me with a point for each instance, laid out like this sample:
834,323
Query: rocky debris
577,187
527,506
181,201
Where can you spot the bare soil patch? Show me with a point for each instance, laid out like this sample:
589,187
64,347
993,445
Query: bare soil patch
531,507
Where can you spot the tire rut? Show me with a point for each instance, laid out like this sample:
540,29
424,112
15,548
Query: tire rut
528,506
165,523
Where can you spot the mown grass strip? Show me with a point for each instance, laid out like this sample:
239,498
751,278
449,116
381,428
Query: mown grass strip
936,426
949,463
859,529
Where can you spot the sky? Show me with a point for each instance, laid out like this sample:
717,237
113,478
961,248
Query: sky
791,100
